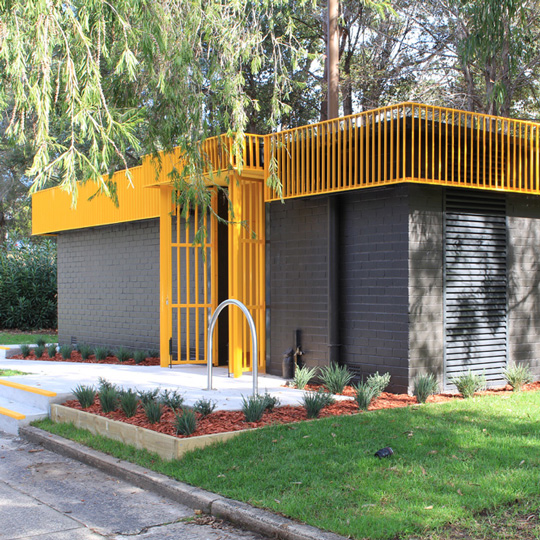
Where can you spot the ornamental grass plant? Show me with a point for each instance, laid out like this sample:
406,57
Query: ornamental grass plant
204,406
364,394
25,350
101,353
65,352
185,423
85,395
253,407
303,375
518,375
39,350
378,383
51,350
129,401
108,398
469,383
314,402
153,410
139,356
172,398
425,385
335,378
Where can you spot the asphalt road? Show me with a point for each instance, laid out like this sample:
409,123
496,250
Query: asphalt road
49,497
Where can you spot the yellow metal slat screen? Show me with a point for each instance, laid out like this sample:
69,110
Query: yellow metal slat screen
406,143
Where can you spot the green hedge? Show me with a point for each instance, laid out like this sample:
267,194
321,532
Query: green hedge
28,293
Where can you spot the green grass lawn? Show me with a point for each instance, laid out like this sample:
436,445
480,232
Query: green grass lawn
10,338
452,461
11,372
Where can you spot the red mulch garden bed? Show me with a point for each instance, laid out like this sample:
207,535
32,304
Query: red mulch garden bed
223,421
76,357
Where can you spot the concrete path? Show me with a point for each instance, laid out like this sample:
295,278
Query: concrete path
189,380
47,496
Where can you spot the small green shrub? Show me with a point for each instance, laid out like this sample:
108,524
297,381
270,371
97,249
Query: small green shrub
364,394
469,383
153,354
314,402
424,386
303,375
28,285
153,411
85,350
65,352
39,350
128,402
51,350
335,378
378,383
139,356
271,401
185,423
101,353
148,395
204,406
172,399
41,341
104,383
25,350
123,354
108,397
85,395
253,407
517,375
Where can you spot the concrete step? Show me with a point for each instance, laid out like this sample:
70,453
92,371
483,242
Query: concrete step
21,404
14,414
29,395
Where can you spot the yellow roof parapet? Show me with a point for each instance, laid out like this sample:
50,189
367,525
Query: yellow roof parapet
52,209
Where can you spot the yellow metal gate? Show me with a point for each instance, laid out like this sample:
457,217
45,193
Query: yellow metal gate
189,278
246,271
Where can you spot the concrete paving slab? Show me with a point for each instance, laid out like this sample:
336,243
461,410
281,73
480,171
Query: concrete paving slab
189,380
47,496
14,510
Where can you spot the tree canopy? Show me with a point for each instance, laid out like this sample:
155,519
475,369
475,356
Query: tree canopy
88,86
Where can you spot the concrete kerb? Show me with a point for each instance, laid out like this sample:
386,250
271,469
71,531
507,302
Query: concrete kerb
239,513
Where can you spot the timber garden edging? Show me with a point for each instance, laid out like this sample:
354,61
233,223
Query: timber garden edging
166,446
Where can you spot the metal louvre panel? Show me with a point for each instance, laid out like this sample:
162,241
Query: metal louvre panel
475,285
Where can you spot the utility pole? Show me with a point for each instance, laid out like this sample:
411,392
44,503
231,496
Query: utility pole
334,346
333,59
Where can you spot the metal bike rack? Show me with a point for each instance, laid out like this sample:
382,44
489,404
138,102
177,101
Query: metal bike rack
209,348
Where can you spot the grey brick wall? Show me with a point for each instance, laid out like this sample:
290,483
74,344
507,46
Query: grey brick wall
374,283
426,291
108,285
524,280
296,276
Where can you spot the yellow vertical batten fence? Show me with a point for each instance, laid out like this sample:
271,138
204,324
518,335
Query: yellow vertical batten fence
193,289
407,143
246,272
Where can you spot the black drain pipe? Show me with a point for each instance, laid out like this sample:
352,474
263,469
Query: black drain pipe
333,281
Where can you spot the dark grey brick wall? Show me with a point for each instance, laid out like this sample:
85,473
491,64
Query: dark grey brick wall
374,283
426,291
296,277
524,280
108,285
